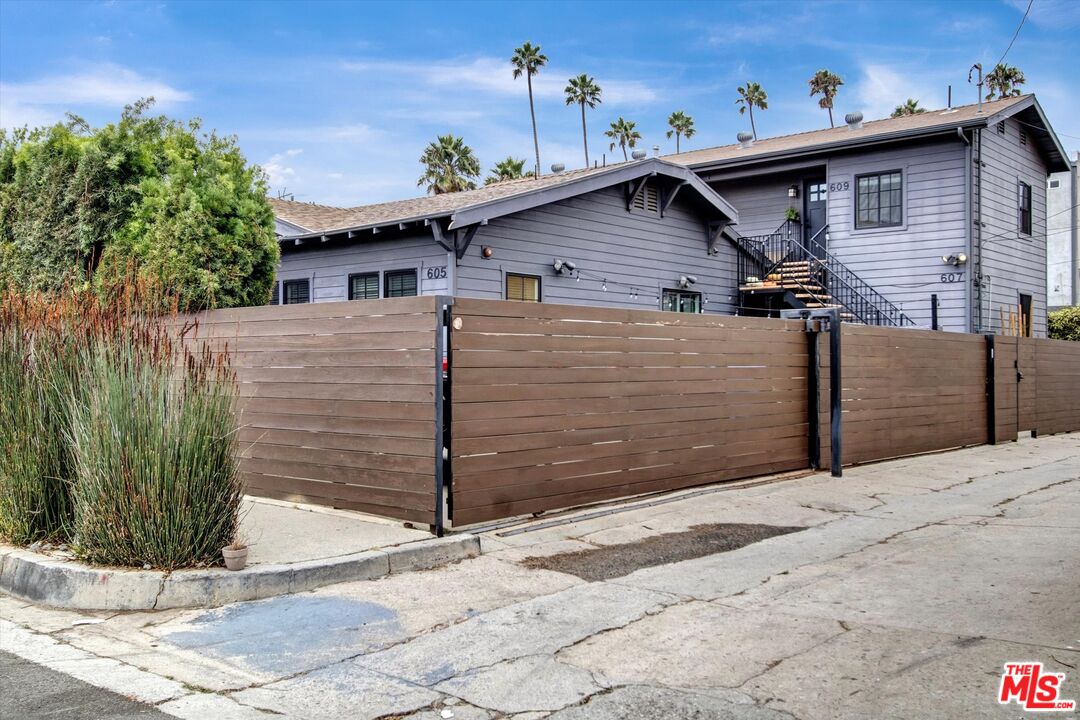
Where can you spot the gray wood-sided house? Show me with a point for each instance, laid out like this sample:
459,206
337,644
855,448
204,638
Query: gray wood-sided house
932,220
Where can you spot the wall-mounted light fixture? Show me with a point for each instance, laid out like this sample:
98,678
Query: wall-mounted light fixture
563,267
955,259
486,252
793,191
686,281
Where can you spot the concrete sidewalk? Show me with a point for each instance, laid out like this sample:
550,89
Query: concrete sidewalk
909,587
293,548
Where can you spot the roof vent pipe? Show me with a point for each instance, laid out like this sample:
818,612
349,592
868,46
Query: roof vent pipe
557,168
854,120
745,139
656,151
638,154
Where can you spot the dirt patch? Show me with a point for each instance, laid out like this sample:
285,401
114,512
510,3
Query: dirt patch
612,561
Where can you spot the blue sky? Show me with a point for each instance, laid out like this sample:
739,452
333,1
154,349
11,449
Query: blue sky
337,100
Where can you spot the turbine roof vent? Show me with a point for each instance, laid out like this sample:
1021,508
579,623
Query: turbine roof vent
745,139
854,120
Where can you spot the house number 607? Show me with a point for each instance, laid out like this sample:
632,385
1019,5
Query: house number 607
952,277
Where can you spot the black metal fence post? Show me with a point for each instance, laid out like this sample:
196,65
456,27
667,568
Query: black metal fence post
835,387
991,392
443,304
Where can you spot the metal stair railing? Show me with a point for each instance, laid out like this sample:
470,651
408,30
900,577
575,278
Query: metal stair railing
765,255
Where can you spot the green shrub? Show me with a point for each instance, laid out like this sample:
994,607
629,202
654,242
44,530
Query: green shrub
1064,324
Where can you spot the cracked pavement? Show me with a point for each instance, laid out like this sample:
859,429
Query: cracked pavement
916,580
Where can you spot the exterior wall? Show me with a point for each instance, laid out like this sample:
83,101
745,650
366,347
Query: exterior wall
631,250
904,263
762,201
1061,263
1015,263
329,268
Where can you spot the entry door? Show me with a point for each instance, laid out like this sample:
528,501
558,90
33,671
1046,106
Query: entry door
814,215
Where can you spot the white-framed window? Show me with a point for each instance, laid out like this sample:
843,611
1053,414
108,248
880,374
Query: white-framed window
525,288
681,301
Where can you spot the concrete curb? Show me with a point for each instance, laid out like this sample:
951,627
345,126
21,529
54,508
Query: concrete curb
74,586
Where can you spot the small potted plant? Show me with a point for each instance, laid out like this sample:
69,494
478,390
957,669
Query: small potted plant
236,552
792,215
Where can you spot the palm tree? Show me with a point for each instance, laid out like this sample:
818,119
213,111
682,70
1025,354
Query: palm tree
826,84
508,169
623,134
911,107
752,95
682,126
1004,81
449,166
583,90
527,59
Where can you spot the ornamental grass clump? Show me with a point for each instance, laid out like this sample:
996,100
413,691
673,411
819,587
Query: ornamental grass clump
35,459
135,438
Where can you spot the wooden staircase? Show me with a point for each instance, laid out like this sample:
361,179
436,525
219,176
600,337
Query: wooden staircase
803,281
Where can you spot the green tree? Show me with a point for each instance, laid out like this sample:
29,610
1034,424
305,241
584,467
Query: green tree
910,107
623,134
528,60
1004,81
682,126
508,169
826,84
148,192
1064,324
449,166
583,90
752,95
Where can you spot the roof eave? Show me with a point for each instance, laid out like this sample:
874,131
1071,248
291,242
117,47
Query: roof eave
840,145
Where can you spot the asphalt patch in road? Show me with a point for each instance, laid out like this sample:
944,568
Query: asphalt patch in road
612,561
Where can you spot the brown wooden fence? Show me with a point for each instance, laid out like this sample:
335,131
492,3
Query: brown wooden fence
337,402
905,392
557,405
552,406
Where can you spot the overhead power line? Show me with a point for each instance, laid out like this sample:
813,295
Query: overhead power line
1015,34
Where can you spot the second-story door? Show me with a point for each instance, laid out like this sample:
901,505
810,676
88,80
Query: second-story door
815,215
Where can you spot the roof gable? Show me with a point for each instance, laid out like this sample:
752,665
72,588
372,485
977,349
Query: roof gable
470,207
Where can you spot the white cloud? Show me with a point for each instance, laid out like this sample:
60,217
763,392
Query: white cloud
1051,14
496,76
277,167
46,99
881,88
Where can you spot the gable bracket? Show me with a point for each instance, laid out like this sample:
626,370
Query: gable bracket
463,240
716,230
635,191
440,236
669,195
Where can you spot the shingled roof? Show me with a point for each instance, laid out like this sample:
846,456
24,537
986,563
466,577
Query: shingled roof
485,202
929,122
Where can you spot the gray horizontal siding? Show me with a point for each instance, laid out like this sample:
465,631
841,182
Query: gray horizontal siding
328,268
904,263
1015,263
628,249
762,201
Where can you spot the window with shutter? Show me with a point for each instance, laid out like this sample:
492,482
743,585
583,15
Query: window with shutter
400,283
364,286
525,288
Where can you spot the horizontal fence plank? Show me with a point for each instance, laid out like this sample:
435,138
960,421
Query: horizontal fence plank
337,401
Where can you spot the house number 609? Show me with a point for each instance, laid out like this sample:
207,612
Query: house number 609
839,186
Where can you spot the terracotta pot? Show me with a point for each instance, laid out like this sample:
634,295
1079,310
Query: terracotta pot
235,559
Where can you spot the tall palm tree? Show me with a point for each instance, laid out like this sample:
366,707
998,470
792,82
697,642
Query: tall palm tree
682,126
752,95
508,169
911,107
449,166
583,90
1004,81
623,134
528,59
826,84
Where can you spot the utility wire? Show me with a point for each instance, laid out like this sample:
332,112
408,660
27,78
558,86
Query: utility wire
1015,34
